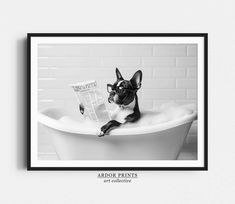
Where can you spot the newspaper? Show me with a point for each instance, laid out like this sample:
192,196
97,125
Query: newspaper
91,101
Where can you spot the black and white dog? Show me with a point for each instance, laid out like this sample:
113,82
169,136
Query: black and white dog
124,94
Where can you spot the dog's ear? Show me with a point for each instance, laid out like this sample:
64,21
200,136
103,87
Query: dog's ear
118,74
136,79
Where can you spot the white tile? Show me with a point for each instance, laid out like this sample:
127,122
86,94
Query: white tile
50,104
192,93
63,50
170,50
61,94
169,72
128,71
68,61
164,94
81,73
46,72
158,83
158,61
186,61
63,83
136,50
186,83
121,61
102,73
105,50
192,50
192,72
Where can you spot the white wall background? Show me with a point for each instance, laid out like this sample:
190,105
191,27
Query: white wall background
215,17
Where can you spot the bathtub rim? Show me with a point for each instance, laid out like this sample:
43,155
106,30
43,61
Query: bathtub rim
58,125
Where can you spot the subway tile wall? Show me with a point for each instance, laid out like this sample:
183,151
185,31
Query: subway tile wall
169,71
169,74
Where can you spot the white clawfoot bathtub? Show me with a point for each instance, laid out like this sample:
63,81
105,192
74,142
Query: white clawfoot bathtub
77,142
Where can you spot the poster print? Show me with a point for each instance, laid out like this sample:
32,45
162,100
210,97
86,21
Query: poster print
117,101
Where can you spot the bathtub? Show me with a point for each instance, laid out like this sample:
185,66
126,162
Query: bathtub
75,142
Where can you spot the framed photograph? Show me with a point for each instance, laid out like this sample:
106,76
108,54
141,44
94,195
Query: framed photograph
117,101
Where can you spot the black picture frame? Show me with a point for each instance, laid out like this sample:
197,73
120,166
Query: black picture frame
201,35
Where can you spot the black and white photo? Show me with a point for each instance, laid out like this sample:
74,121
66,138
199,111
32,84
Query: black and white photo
117,101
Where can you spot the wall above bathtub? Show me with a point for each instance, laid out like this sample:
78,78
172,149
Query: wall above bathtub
169,71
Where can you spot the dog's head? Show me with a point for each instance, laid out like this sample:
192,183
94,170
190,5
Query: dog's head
123,92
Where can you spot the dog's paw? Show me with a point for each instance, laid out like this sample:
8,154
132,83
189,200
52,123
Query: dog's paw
100,133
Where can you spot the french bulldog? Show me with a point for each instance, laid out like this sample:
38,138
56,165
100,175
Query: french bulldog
124,94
